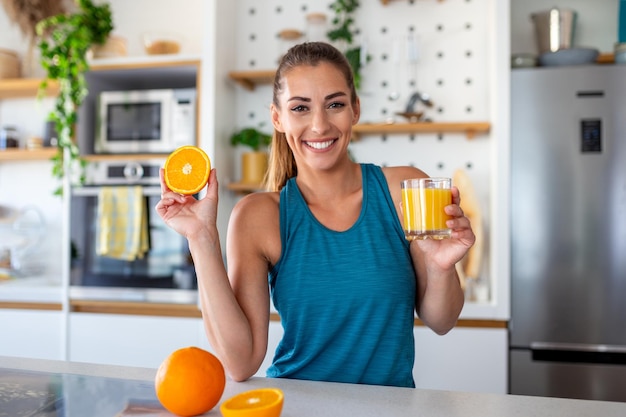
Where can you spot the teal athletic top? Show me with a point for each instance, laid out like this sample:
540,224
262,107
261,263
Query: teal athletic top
346,299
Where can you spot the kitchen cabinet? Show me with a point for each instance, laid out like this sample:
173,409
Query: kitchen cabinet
32,331
466,359
132,340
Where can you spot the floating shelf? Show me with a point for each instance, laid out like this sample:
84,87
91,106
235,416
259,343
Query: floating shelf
24,87
250,79
386,2
27,154
470,129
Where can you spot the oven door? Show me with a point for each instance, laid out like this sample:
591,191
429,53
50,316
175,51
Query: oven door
167,263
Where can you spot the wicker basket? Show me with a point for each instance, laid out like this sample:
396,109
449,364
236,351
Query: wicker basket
9,64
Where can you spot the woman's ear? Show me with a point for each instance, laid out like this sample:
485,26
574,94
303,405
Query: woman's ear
356,113
275,115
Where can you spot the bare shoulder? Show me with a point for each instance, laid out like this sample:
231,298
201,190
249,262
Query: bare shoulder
255,210
254,226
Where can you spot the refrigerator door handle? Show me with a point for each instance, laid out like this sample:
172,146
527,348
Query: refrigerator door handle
578,353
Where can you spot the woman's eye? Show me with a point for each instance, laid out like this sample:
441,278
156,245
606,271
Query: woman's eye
299,108
336,105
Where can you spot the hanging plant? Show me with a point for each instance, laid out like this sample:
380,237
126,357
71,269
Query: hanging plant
64,41
344,32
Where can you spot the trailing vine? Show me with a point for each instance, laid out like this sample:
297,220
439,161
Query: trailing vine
343,31
64,40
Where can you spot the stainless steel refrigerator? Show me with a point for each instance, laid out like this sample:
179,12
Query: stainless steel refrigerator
568,235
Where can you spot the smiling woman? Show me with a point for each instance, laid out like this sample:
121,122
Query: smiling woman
347,315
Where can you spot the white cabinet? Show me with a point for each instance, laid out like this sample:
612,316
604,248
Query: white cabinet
130,340
32,334
465,359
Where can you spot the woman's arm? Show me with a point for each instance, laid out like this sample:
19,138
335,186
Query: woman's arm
234,305
439,296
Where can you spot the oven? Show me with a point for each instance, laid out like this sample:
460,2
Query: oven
165,261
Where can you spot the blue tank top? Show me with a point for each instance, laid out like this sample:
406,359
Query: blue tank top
346,299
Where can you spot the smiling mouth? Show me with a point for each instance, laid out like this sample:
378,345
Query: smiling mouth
320,145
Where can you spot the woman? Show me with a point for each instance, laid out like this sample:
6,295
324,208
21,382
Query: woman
329,239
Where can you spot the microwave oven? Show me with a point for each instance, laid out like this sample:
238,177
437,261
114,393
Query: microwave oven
145,121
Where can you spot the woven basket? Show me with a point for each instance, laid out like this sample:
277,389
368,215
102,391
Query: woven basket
9,64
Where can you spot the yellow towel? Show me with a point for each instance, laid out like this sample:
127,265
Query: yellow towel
122,231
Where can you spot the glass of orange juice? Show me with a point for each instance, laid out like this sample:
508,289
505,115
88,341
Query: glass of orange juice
423,202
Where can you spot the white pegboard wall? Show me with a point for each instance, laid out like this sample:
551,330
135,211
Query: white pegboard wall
452,67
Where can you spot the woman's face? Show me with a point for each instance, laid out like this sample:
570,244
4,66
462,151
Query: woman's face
316,115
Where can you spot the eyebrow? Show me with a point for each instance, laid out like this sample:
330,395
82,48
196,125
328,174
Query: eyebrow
328,97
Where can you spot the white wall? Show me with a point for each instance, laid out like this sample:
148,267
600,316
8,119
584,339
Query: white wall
596,27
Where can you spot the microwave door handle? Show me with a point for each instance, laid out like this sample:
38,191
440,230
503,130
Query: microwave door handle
95,191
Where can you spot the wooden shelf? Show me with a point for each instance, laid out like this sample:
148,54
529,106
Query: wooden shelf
24,87
250,79
386,2
27,154
144,62
245,188
470,129
125,157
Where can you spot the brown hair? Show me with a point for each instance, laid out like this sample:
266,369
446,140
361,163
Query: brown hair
282,164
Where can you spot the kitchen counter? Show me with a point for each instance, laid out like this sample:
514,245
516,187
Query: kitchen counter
42,388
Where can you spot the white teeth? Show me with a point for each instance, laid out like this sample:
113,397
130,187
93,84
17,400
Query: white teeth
320,145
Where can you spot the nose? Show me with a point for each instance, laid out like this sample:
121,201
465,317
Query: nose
320,122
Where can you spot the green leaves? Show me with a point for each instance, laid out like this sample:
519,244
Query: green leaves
343,31
251,137
64,41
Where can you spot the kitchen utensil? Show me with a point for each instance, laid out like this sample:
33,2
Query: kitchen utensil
573,56
554,29
9,138
395,54
412,117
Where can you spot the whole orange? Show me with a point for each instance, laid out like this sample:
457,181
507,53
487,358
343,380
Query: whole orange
190,381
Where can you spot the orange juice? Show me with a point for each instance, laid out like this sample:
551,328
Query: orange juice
423,210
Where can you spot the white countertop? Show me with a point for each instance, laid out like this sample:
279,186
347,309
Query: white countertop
323,399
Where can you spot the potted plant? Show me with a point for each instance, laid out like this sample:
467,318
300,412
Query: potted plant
253,161
64,40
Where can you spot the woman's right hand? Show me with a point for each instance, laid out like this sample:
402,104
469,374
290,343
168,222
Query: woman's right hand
184,213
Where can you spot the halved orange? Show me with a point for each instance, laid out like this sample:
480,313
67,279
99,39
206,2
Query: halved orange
261,402
187,170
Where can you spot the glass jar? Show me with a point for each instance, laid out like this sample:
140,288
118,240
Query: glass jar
286,39
316,27
9,138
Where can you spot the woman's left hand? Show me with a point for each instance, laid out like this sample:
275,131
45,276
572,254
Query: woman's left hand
445,253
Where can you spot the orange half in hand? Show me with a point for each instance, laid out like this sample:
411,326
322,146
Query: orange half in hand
187,170
262,402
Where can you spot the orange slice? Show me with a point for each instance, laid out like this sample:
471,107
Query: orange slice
187,170
262,402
